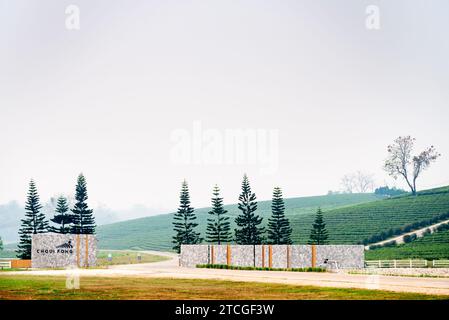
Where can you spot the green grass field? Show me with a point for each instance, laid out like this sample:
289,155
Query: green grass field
126,257
118,257
431,247
155,233
97,288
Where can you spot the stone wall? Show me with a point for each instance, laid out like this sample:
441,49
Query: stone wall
53,250
346,256
275,256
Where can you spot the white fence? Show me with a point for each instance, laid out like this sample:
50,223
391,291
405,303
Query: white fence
5,264
440,263
407,263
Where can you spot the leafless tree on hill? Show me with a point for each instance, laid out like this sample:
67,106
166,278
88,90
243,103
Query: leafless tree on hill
401,163
358,182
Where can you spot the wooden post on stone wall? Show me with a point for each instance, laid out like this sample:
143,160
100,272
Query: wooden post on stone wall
313,256
263,256
78,250
86,257
270,256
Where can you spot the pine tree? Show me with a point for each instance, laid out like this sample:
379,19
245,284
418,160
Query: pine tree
318,234
279,231
62,217
34,222
248,221
183,224
1,244
83,220
218,227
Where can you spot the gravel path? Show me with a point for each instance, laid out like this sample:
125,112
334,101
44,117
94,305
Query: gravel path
414,272
400,239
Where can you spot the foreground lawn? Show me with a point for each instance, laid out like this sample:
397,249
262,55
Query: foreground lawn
42,287
126,257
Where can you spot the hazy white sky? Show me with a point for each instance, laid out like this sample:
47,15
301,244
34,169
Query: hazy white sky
107,100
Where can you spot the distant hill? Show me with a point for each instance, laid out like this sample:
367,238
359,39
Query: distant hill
155,232
12,213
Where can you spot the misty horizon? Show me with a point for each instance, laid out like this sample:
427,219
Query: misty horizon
142,96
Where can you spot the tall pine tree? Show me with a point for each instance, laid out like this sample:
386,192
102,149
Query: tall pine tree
183,224
318,234
62,217
34,222
83,220
248,221
218,227
279,231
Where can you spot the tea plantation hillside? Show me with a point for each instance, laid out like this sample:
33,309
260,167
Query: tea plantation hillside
356,223
431,247
155,232
350,219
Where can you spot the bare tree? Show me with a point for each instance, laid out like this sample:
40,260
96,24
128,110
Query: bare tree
400,161
357,182
364,182
348,182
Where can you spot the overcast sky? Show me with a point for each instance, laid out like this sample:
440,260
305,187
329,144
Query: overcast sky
144,81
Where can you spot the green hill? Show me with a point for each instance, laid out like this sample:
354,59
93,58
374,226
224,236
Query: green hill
431,247
155,232
350,218
356,223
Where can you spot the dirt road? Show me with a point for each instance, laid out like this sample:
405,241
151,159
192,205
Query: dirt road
400,239
170,269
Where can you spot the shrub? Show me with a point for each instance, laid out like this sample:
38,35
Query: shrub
409,237
224,266
443,227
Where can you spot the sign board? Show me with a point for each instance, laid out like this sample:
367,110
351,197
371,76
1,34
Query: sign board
54,250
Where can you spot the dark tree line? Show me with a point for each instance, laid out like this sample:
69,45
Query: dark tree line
248,223
318,234
62,218
184,221
78,220
218,226
279,230
33,223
